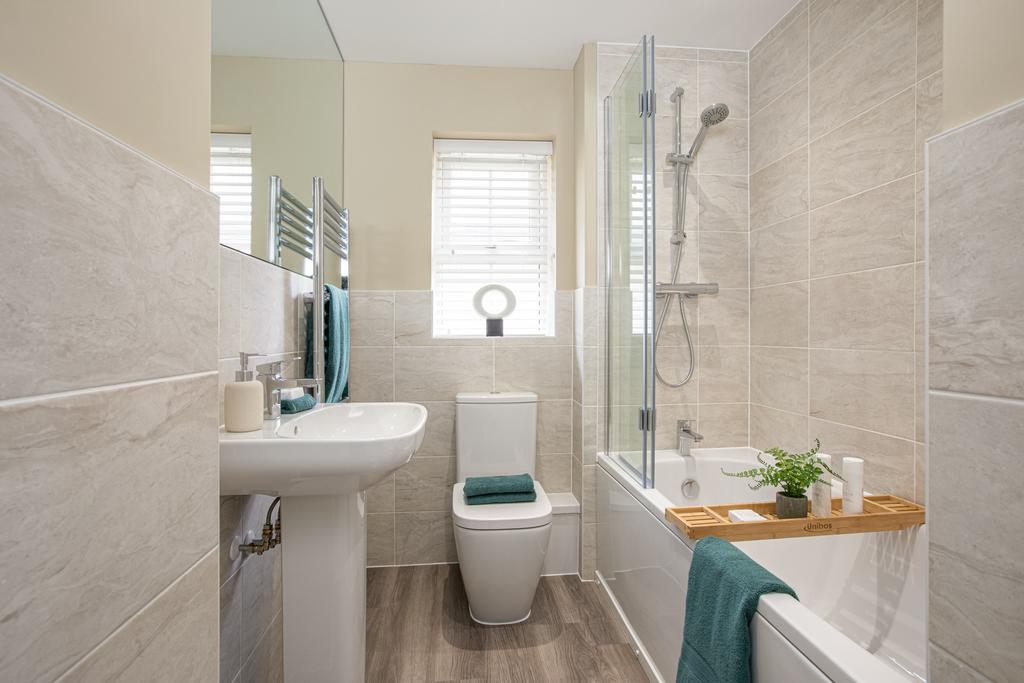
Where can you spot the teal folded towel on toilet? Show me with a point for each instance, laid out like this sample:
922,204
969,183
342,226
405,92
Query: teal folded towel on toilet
492,498
507,483
721,598
297,405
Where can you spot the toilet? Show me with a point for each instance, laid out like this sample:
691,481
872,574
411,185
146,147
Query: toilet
501,547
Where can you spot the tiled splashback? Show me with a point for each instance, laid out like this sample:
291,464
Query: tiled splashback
107,406
396,358
260,308
976,401
842,97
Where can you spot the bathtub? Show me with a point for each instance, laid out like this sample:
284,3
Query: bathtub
861,614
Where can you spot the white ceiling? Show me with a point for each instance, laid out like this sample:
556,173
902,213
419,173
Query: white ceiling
292,29
537,33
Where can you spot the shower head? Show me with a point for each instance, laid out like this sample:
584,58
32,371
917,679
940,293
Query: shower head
676,94
714,114
711,116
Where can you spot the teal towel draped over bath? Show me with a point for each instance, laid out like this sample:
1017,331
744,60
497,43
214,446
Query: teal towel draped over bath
492,498
504,484
336,344
290,406
721,598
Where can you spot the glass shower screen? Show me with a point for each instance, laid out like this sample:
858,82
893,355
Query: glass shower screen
629,227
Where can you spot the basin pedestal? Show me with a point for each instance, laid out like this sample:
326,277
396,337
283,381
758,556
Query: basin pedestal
324,583
320,462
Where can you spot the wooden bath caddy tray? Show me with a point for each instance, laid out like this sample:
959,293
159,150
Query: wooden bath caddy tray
881,513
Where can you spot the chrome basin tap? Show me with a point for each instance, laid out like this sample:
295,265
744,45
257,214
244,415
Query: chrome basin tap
687,437
269,374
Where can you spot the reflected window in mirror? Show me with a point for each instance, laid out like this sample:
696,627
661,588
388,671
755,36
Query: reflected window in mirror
231,180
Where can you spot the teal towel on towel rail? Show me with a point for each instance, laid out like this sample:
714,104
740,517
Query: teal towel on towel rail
492,498
507,483
290,406
721,598
336,367
336,344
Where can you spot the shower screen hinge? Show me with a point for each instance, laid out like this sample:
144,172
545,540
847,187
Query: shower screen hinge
648,104
646,421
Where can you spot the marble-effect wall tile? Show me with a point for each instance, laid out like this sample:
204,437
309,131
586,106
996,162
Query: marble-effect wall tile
977,198
869,230
153,477
778,378
778,64
868,310
873,149
868,71
841,278
779,191
780,128
778,253
870,389
118,238
976,601
147,646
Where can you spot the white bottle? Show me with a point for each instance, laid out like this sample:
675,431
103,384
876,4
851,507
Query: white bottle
243,399
821,490
853,486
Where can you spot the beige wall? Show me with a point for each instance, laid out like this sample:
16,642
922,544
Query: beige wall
842,104
983,57
393,112
293,109
138,69
585,106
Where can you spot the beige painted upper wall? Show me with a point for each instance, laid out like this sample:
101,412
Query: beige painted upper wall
393,112
585,132
137,69
982,57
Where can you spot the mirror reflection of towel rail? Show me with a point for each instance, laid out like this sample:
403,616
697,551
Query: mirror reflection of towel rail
686,288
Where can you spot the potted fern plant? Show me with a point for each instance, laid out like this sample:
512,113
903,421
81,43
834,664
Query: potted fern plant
794,473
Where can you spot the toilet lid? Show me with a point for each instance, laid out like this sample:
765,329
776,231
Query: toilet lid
501,515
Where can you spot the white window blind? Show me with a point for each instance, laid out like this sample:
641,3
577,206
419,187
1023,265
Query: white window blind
493,223
231,180
637,239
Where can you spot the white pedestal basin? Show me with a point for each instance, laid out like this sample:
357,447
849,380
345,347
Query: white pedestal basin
320,463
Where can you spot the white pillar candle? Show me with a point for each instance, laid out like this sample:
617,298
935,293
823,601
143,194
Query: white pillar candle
853,487
821,490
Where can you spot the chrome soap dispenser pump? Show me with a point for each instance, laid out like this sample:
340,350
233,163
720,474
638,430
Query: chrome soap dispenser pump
243,398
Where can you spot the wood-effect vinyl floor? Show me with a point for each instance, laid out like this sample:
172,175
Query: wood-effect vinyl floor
418,629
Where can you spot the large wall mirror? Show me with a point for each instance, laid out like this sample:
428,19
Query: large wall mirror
276,111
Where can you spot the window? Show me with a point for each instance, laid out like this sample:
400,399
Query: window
493,223
231,180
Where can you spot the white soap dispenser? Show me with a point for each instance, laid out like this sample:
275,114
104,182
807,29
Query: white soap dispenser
243,399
